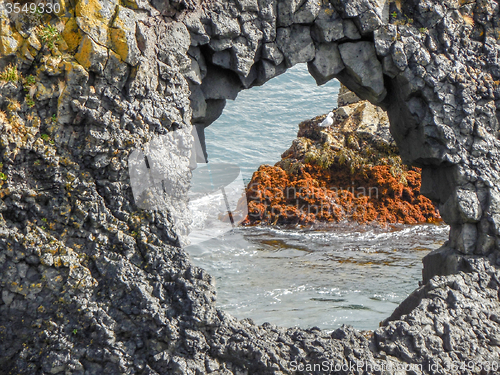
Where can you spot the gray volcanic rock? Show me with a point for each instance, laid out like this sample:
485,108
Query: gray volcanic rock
286,11
269,70
350,30
363,70
271,52
326,64
328,27
220,84
92,284
223,26
296,44
307,13
222,59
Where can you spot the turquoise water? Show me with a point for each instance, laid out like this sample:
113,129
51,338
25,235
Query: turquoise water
324,277
262,122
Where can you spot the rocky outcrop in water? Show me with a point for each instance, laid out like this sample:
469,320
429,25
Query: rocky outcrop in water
350,170
91,284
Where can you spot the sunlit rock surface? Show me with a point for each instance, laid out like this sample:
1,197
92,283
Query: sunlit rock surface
92,284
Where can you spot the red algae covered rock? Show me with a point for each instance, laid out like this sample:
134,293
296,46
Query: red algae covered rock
350,171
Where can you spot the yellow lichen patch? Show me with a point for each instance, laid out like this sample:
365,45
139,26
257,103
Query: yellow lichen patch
88,8
93,17
118,41
19,288
96,29
51,65
34,42
13,106
71,35
4,193
468,20
93,9
5,26
68,162
64,7
91,55
44,92
10,44
132,4
122,38
62,46
84,52
25,52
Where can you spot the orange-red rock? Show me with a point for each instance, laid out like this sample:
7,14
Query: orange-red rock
350,172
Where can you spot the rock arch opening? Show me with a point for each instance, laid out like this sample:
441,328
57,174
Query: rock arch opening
397,57
409,66
307,277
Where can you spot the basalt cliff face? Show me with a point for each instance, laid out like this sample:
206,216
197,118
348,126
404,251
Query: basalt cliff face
91,284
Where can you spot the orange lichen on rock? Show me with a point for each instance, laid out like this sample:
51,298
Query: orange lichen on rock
316,195
345,173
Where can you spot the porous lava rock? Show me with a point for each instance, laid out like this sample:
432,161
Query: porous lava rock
91,284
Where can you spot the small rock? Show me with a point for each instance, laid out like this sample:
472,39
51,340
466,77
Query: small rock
122,38
268,70
248,5
328,27
326,64
244,56
350,30
222,59
384,38
271,52
218,84
296,44
116,71
7,297
286,10
198,103
224,27
399,56
364,69
307,13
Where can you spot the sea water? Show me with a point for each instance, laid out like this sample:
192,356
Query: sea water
323,277
317,276
262,122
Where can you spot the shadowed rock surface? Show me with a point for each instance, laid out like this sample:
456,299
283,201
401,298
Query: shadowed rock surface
91,284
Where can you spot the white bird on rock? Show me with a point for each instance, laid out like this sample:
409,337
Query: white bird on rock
328,121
